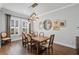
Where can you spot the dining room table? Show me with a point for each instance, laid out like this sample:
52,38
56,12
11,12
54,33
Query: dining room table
39,39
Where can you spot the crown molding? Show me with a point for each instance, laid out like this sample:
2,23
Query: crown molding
1,5
58,9
13,13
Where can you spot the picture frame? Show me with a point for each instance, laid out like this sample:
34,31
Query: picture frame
62,23
56,24
47,24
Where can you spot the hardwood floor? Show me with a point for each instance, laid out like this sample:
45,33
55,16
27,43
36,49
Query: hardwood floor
16,48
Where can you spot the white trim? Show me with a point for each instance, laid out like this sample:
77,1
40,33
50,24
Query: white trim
16,39
58,9
67,45
1,5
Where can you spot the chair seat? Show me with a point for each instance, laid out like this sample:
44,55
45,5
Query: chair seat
31,43
45,45
6,39
24,41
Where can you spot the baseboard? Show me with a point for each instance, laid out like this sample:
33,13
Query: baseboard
70,46
54,42
16,40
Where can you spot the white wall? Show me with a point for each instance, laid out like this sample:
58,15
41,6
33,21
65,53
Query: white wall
1,5
67,35
2,22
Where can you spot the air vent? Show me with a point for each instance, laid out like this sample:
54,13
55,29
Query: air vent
34,5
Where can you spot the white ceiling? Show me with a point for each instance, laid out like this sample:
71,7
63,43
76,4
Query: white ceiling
46,7
1,5
22,8
25,8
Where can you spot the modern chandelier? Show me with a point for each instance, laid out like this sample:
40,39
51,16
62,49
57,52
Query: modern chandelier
33,16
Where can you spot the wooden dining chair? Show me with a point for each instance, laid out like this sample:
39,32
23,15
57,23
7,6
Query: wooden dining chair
41,34
5,38
24,39
32,33
49,44
30,41
35,33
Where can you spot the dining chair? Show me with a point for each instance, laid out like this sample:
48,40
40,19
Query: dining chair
24,39
5,38
35,33
41,34
32,33
25,35
30,42
49,43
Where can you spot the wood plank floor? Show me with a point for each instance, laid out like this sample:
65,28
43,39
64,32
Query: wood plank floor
16,48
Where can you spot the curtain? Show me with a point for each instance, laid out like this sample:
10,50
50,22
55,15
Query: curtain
8,24
29,27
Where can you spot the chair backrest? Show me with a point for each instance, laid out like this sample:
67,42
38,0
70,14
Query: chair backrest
35,33
24,38
32,33
41,34
4,34
51,39
29,38
25,34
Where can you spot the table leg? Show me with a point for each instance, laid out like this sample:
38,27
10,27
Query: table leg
0,43
37,48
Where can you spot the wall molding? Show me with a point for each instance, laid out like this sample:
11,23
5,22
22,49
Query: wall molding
67,45
12,13
58,9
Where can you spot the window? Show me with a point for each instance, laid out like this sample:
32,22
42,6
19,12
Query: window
12,30
12,23
16,30
17,25
14,26
24,26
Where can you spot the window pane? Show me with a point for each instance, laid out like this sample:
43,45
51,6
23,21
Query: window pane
12,30
12,23
16,23
16,30
24,29
23,23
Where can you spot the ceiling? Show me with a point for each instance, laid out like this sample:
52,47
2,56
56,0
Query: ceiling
46,7
24,8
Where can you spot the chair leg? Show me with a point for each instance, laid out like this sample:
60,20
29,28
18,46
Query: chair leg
28,46
52,49
24,44
10,42
31,47
47,51
0,44
37,46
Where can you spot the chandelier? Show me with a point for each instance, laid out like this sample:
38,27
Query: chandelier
33,16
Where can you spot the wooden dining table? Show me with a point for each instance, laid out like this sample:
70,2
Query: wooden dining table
39,39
